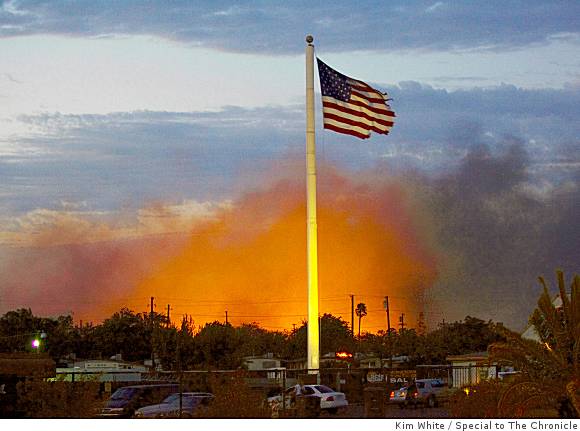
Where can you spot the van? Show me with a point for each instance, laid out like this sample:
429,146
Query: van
124,401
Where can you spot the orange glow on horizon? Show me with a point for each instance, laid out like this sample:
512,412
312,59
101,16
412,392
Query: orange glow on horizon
248,258
252,261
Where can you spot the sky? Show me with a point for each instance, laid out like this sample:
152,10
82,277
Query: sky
128,123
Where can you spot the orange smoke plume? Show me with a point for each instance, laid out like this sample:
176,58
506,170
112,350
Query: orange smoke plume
247,257
252,260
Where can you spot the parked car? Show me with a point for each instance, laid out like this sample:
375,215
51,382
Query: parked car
423,391
169,407
330,400
127,399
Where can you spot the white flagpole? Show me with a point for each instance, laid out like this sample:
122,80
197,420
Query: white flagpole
313,359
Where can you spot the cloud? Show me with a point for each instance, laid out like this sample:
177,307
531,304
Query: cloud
74,223
475,233
497,236
132,158
279,28
129,159
434,7
8,77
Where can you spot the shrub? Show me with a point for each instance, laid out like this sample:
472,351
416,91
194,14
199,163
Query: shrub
497,399
235,399
41,399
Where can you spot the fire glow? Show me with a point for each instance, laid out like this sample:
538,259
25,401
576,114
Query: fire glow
252,261
248,259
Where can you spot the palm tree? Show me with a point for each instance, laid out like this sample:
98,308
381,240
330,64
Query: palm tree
361,311
550,368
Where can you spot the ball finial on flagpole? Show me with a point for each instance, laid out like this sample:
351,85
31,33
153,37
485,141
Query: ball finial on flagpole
309,39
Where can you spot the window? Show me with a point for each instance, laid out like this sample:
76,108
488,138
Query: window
123,394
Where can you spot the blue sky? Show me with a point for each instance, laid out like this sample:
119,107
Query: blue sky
107,106
89,84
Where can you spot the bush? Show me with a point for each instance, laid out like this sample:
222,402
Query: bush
235,399
41,399
477,401
497,399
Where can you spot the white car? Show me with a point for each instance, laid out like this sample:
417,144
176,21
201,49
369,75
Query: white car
169,407
330,400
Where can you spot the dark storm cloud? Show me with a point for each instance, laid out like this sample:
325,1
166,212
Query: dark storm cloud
458,120
279,27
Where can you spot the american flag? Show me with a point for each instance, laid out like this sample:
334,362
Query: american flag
351,106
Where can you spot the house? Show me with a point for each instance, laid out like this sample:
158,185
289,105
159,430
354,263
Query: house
265,371
376,362
470,369
328,360
260,363
102,371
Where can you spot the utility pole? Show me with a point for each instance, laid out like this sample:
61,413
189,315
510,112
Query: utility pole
352,314
168,318
152,328
226,317
386,305
402,321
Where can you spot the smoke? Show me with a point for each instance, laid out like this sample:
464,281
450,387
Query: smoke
471,241
496,232
252,262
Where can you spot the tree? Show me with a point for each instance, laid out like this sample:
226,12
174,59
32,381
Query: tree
216,343
127,333
361,311
17,328
457,338
550,369
335,336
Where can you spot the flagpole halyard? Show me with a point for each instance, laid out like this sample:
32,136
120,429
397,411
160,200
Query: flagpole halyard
313,355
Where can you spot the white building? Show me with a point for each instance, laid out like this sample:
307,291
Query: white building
470,369
102,371
261,363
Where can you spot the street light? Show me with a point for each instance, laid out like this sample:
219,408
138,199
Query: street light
37,341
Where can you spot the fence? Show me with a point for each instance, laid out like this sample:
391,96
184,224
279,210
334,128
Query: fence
355,383
351,381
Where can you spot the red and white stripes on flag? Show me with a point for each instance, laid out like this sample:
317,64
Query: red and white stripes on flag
351,106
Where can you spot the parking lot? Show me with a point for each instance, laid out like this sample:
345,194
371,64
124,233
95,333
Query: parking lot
392,412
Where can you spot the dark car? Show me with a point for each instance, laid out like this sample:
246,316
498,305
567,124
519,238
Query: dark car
127,399
191,403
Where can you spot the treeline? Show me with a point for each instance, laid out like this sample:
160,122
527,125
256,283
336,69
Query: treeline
139,336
